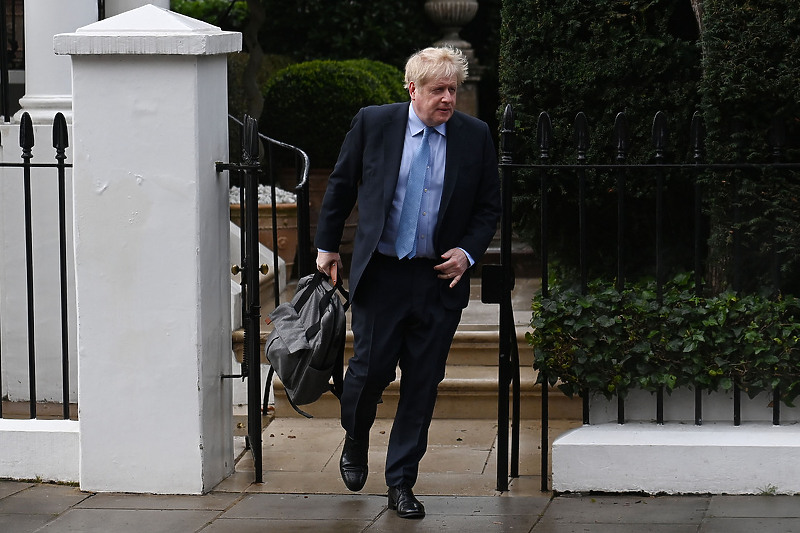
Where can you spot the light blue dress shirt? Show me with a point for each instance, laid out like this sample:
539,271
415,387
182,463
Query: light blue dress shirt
431,193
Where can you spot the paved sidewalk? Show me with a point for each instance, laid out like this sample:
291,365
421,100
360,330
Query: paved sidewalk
32,507
302,492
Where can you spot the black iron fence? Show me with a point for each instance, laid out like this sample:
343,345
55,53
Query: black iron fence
247,174
26,143
551,179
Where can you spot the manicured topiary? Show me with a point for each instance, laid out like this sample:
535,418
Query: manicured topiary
311,104
390,77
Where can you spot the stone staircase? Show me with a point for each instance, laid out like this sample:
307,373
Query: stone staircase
469,390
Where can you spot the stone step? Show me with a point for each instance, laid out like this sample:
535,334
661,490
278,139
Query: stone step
469,348
466,392
469,389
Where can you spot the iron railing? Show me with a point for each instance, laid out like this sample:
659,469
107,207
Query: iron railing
26,143
621,170
247,174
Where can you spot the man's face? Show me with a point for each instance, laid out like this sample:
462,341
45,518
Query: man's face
435,101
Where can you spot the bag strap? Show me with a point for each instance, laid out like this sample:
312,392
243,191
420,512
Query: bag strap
265,405
338,373
309,290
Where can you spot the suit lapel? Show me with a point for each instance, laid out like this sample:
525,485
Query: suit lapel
393,139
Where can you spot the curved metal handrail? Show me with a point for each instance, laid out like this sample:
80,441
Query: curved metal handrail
306,161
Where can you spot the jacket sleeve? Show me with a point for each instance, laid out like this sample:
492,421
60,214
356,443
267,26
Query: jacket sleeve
342,190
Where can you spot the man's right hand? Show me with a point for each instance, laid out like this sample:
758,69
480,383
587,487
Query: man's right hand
326,261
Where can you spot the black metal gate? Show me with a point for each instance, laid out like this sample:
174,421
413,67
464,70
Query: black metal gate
247,174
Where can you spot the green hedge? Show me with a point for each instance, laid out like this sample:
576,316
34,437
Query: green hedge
751,73
311,104
220,13
601,58
389,30
609,342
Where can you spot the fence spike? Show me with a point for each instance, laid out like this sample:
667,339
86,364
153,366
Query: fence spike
506,133
26,133
544,134
697,135
508,118
249,140
660,134
621,135
60,136
581,135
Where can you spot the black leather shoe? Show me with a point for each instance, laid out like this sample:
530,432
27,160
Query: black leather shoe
353,464
402,499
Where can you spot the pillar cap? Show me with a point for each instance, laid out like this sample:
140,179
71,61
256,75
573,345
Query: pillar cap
148,30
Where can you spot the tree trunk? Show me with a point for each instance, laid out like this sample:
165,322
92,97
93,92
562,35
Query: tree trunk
252,92
697,7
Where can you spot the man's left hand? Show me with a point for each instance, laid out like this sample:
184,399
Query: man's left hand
454,266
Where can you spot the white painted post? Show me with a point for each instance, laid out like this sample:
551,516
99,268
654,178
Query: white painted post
151,251
48,80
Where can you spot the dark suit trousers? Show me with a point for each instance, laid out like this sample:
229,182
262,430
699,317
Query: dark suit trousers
397,318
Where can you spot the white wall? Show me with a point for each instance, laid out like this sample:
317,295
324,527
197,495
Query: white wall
150,120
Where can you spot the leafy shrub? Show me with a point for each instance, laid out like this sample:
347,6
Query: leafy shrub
389,76
311,104
601,58
389,31
610,342
270,65
222,13
751,69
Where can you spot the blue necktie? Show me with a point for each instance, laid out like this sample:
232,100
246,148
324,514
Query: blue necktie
406,244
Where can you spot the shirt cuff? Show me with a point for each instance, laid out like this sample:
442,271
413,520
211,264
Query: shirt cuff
469,257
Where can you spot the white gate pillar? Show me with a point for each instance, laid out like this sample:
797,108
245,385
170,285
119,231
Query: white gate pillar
151,251
48,80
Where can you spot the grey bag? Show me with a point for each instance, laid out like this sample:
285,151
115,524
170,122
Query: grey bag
306,348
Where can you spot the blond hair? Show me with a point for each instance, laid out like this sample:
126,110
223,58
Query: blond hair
434,63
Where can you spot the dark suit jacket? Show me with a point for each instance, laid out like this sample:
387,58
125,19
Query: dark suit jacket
367,172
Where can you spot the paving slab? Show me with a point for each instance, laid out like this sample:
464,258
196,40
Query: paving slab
485,506
129,521
307,507
7,488
253,525
42,499
391,523
23,523
628,509
754,507
548,526
750,525
216,501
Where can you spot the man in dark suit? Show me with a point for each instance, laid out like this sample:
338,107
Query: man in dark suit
426,182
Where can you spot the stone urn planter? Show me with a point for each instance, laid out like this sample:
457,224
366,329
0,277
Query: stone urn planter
286,215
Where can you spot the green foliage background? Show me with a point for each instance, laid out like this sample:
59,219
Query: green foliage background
602,58
609,342
751,75
311,104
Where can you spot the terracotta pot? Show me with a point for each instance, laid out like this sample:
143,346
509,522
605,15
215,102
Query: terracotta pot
317,183
287,229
